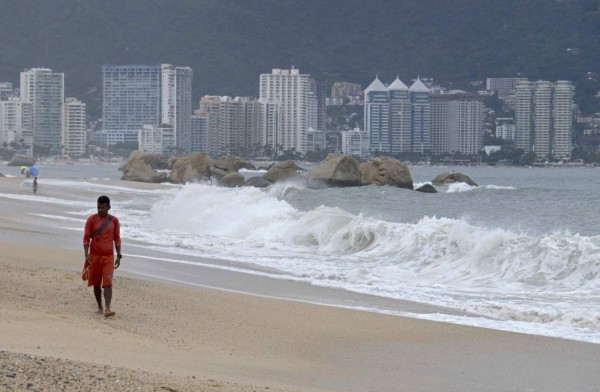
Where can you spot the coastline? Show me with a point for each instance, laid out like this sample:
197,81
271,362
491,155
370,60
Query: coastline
197,337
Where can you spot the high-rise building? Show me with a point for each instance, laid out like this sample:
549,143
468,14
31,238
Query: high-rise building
376,119
289,90
355,143
543,118
524,116
457,123
199,133
210,108
176,103
73,128
563,119
317,115
44,89
400,117
131,97
420,117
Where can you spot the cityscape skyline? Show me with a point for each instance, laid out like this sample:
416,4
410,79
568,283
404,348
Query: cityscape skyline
418,119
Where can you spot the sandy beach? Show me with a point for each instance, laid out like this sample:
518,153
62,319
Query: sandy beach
168,336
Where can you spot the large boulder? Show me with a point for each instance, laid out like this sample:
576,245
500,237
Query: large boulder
427,188
21,160
452,177
257,182
191,168
142,172
232,180
386,171
281,171
142,166
155,161
222,167
337,170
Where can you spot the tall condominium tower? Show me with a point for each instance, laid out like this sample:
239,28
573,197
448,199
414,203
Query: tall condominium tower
210,110
420,117
524,116
44,89
563,118
377,111
176,103
457,123
543,118
289,90
400,117
131,96
73,128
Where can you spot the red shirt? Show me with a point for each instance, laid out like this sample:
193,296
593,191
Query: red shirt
103,244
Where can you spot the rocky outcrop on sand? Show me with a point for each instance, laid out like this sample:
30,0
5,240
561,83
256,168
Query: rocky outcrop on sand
337,170
386,171
281,171
195,167
427,188
21,160
143,166
452,177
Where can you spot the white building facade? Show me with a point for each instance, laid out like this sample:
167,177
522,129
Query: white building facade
288,89
176,103
44,89
73,128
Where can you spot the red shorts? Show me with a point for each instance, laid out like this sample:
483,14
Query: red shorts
101,270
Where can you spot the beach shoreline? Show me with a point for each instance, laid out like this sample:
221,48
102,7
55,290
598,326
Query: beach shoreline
199,337
205,325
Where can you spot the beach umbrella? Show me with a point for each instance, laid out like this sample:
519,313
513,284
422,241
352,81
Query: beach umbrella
34,171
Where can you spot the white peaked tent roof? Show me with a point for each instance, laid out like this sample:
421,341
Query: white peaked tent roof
397,85
376,85
419,87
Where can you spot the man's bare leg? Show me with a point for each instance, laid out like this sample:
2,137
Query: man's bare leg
98,295
107,299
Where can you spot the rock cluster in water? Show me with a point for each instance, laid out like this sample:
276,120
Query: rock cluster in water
337,170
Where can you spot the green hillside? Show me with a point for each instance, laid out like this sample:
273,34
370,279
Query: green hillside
229,43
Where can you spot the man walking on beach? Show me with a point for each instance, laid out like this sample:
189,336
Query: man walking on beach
101,231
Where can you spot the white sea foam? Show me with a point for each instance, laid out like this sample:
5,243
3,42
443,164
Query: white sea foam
550,279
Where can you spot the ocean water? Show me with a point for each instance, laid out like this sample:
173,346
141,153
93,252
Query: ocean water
519,252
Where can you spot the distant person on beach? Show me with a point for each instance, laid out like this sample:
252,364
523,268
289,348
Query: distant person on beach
34,184
101,232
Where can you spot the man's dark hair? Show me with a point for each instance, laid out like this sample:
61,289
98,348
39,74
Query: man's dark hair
104,200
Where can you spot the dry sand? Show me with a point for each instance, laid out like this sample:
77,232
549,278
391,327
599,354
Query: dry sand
172,337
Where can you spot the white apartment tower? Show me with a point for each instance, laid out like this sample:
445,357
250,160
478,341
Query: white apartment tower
44,89
524,116
73,128
563,118
543,118
176,103
289,90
